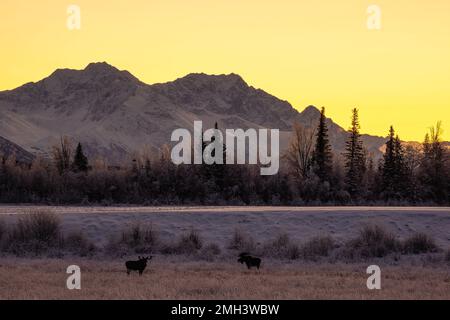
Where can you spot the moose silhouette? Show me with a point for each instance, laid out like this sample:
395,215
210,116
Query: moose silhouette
249,260
138,265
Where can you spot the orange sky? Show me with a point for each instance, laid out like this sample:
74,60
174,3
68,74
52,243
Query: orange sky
305,51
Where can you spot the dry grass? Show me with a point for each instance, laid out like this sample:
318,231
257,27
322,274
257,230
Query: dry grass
420,243
209,252
174,279
34,233
190,242
137,238
372,241
241,241
42,226
318,247
76,243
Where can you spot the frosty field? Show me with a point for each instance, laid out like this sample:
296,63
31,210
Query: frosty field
216,224
177,276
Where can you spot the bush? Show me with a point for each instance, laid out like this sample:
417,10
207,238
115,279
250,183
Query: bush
209,251
189,243
41,226
77,243
137,238
282,247
142,239
116,248
317,247
35,232
373,241
241,241
419,243
293,252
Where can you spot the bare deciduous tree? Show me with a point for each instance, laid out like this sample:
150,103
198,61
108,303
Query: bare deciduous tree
300,150
62,154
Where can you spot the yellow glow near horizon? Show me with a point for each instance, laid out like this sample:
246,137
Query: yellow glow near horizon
316,52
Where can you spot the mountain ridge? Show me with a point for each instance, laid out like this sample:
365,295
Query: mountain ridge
10,149
114,114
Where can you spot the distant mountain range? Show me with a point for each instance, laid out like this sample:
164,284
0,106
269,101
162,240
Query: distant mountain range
113,114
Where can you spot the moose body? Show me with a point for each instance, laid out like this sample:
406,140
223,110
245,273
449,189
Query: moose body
249,260
138,265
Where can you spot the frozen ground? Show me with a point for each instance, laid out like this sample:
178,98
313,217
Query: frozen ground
165,279
217,224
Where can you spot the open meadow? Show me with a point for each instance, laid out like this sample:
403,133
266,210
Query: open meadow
46,279
307,253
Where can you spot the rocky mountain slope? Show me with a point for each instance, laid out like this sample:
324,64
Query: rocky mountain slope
9,149
113,114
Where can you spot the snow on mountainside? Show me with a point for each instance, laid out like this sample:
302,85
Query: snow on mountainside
10,149
113,114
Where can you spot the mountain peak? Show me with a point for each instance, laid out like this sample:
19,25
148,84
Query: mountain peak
311,111
101,67
113,113
218,81
92,70
226,77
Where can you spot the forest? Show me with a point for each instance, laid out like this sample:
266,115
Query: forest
310,174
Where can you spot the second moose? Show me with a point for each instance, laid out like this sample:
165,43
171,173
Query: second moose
138,265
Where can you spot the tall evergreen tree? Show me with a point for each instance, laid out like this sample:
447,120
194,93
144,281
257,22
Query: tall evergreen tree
354,157
80,161
388,167
370,176
394,172
399,157
434,171
217,168
401,177
216,172
322,156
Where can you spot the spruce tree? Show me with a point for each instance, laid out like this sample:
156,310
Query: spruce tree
216,172
395,181
401,177
388,168
80,161
434,168
322,156
354,157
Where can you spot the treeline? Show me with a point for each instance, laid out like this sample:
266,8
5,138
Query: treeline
406,174
310,174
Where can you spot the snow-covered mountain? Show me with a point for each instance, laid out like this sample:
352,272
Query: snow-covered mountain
113,114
